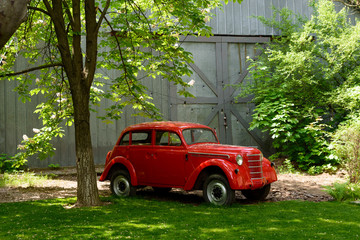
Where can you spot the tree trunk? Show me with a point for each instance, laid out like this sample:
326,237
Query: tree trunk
80,83
12,14
87,191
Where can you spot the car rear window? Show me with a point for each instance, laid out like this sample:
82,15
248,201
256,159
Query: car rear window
125,140
141,138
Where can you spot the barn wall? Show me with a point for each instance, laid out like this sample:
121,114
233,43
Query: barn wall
17,119
237,19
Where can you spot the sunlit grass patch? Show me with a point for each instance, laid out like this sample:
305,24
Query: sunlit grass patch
139,218
22,179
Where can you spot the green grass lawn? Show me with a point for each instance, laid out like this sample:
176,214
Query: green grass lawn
139,218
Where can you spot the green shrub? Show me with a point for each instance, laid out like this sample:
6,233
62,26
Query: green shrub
10,164
344,191
346,146
287,167
54,166
298,134
299,82
313,170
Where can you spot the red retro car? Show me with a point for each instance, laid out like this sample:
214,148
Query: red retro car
167,155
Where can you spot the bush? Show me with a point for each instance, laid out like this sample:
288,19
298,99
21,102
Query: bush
298,134
298,82
54,166
344,191
286,167
10,164
313,170
346,146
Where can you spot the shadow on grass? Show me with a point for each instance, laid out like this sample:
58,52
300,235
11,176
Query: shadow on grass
143,218
175,195
181,196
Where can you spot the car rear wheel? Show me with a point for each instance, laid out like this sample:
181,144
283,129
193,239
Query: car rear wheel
217,190
121,184
257,194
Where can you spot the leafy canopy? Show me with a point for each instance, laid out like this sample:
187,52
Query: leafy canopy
138,40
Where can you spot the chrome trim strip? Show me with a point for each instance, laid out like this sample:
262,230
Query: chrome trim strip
211,154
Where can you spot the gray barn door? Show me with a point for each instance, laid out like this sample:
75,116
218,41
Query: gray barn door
218,62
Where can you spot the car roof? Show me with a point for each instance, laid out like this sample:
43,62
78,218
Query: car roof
164,125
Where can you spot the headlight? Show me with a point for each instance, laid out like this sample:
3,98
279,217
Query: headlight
239,160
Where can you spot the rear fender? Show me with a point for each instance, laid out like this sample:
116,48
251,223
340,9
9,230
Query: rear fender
114,163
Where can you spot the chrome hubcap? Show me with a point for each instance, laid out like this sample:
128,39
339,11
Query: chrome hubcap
216,192
121,186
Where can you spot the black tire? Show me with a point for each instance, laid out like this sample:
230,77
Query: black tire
217,191
162,190
257,194
120,184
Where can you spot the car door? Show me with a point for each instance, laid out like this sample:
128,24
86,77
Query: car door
168,160
140,151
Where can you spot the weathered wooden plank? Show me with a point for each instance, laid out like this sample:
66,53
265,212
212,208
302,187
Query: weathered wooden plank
237,19
10,129
2,117
245,18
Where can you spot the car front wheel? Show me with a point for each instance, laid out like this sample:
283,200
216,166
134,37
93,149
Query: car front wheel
217,190
121,184
257,194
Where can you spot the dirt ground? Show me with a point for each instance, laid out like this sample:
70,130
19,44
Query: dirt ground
288,187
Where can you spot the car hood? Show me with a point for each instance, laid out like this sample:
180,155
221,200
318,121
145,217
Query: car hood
222,149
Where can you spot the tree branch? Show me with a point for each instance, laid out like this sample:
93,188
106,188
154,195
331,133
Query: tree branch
71,19
50,11
350,3
125,70
39,9
91,42
102,16
31,70
77,58
56,14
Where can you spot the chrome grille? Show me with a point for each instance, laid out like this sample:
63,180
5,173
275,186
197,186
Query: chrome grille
255,167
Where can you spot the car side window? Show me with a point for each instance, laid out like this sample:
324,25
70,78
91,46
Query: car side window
125,140
141,138
165,138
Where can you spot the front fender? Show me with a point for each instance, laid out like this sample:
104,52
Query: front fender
122,161
235,180
269,171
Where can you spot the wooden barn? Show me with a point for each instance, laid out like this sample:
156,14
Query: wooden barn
219,60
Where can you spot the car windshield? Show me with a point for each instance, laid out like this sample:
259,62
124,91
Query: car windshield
199,135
